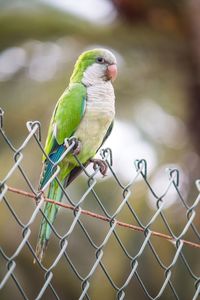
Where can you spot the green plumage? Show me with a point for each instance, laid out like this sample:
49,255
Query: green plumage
66,117
66,121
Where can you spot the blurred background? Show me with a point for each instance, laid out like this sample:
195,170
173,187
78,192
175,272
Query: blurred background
157,45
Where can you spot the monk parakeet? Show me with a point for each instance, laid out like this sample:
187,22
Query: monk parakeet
86,111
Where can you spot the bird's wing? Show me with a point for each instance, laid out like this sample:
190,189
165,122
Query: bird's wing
66,117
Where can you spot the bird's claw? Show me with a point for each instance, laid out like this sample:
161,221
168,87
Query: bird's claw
101,164
77,146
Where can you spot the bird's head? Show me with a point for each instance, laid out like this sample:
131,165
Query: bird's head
95,66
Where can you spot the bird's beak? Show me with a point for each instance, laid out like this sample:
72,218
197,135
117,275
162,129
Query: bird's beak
112,72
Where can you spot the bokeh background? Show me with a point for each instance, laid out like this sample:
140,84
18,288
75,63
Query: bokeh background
157,45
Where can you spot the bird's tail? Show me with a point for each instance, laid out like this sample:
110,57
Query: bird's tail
50,210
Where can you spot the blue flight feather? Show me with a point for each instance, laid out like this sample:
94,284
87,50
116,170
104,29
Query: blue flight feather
48,167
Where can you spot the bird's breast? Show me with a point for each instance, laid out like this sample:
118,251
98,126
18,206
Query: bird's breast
99,114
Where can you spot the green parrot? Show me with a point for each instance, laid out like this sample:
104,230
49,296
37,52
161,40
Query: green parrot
85,111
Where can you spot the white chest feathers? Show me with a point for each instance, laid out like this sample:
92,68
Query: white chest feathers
101,98
99,114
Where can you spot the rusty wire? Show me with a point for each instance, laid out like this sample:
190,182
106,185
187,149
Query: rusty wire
84,281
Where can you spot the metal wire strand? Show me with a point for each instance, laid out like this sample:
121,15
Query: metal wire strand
99,247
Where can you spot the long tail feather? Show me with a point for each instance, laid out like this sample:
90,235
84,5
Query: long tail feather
50,212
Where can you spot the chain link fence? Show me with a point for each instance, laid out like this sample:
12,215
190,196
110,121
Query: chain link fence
111,249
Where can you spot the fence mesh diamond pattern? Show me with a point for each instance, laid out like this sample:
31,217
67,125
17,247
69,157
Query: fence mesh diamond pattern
114,248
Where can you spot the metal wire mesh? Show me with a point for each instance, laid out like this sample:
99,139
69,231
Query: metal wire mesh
96,262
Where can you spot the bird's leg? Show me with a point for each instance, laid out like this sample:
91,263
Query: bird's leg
77,146
101,164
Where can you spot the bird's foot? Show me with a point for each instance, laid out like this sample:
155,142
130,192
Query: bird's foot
77,146
101,164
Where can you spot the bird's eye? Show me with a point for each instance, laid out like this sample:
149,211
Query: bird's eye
100,60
